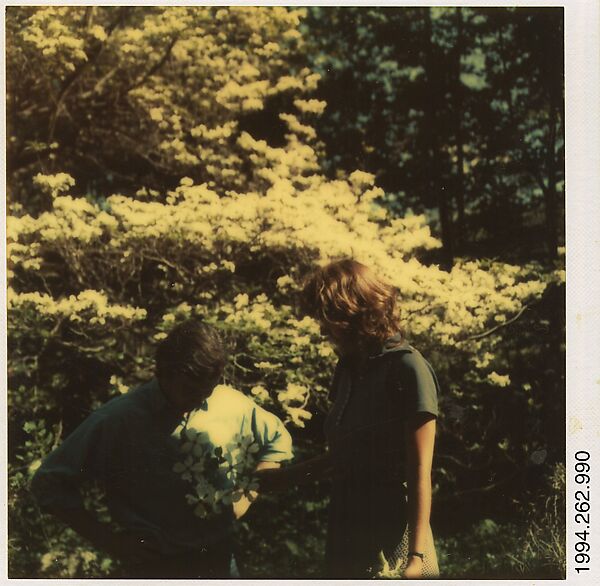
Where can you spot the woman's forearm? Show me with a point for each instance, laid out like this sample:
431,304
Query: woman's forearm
419,442
419,508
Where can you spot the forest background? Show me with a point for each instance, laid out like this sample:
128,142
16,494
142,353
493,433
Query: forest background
168,162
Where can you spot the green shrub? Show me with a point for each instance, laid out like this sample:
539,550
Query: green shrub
532,548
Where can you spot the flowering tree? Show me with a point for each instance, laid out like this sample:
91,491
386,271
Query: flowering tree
98,91
96,279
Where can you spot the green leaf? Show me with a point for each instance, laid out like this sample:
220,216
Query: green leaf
293,547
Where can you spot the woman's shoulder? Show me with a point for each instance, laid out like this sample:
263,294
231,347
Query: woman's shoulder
416,379
409,356
402,352
408,360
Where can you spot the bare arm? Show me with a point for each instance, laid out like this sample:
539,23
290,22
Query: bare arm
240,508
307,471
420,439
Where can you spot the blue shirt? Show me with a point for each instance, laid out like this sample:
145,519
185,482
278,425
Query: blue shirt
130,445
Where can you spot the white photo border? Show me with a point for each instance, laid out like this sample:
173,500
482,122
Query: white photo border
582,127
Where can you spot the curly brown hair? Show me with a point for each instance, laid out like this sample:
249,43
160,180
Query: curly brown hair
347,296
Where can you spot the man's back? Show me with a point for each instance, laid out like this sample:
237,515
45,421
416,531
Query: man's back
130,446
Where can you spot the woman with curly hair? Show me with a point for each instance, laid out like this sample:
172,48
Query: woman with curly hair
380,429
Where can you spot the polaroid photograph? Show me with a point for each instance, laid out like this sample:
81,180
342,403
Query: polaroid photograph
303,292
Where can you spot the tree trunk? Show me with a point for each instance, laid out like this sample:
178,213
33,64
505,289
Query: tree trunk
431,106
552,70
550,194
458,114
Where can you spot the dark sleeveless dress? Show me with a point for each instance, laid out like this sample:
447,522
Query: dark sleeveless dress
365,433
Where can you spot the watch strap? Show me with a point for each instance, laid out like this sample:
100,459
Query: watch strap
416,554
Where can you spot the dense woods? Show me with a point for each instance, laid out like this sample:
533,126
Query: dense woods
169,162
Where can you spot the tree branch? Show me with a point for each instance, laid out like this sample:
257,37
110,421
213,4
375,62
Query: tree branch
100,83
461,464
495,328
58,436
76,75
156,66
479,489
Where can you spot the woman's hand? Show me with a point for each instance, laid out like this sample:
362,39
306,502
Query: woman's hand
414,569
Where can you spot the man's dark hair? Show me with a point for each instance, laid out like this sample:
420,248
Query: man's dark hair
193,348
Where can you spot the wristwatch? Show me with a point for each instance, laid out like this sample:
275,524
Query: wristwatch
416,554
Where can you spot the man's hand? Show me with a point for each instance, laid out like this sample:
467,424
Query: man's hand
241,506
123,546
